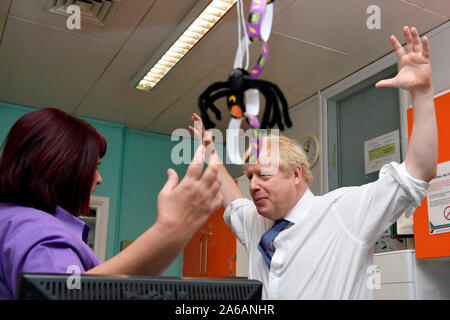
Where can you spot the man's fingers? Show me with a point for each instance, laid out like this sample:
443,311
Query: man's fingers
208,137
426,47
386,83
398,47
195,168
196,117
408,38
197,134
198,129
417,44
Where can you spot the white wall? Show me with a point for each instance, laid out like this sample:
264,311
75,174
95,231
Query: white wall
305,119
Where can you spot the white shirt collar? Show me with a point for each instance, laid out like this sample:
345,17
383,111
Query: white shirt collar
301,208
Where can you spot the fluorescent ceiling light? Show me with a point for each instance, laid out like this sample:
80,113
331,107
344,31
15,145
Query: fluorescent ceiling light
188,39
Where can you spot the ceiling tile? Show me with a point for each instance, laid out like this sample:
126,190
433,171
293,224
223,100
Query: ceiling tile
328,74
296,95
339,25
180,79
3,18
367,52
441,7
420,3
176,116
162,19
4,8
290,61
218,44
116,30
423,20
124,66
41,73
201,86
314,44
117,103
280,6
35,88
221,43
34,46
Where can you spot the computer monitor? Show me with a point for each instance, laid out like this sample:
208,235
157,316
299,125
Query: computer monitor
39,286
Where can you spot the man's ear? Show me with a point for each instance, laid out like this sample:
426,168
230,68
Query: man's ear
298,175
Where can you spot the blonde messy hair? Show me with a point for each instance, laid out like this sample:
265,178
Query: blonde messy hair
291,155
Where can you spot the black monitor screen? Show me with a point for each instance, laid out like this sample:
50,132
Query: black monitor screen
32,286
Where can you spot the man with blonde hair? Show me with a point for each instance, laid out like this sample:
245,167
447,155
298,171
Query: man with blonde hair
302,246
289,155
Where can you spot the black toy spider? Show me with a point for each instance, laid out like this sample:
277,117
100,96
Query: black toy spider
238,82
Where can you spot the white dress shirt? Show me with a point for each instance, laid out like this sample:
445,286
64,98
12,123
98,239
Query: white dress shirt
327,250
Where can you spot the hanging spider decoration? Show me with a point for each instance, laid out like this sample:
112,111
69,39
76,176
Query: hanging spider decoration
238,82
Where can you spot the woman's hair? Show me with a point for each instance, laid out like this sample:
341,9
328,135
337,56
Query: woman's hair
49,158
291,155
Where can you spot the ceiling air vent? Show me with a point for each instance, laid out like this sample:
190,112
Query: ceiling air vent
94,11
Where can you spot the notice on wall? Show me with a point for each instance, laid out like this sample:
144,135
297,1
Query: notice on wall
381,150
438,198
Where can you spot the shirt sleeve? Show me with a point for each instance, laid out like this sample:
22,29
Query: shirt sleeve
238,216
368,211
50,254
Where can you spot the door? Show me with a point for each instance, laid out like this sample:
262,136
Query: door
211,252
355,116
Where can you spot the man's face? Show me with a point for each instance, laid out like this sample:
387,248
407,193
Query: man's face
274,194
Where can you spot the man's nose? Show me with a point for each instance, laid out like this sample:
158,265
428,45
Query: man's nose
254,184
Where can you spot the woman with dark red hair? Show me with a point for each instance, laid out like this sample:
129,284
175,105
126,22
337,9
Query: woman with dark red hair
48,170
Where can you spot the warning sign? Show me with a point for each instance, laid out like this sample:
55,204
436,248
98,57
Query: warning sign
439,200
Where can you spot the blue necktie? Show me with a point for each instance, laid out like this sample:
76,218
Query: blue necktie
268,237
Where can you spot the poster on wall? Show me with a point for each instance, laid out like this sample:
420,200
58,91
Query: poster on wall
439,200
431,229
381,150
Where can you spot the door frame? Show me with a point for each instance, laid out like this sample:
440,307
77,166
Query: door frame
101,204
345,84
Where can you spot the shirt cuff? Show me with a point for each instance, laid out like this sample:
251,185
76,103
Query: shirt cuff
237,204
415,189
234,206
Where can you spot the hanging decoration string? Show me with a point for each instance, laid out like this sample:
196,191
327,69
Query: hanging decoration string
258,29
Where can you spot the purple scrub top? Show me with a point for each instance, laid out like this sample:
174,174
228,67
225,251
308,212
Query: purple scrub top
36,241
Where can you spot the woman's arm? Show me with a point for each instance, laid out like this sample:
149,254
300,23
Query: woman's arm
182,209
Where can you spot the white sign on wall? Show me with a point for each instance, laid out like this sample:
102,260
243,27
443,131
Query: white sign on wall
381,150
